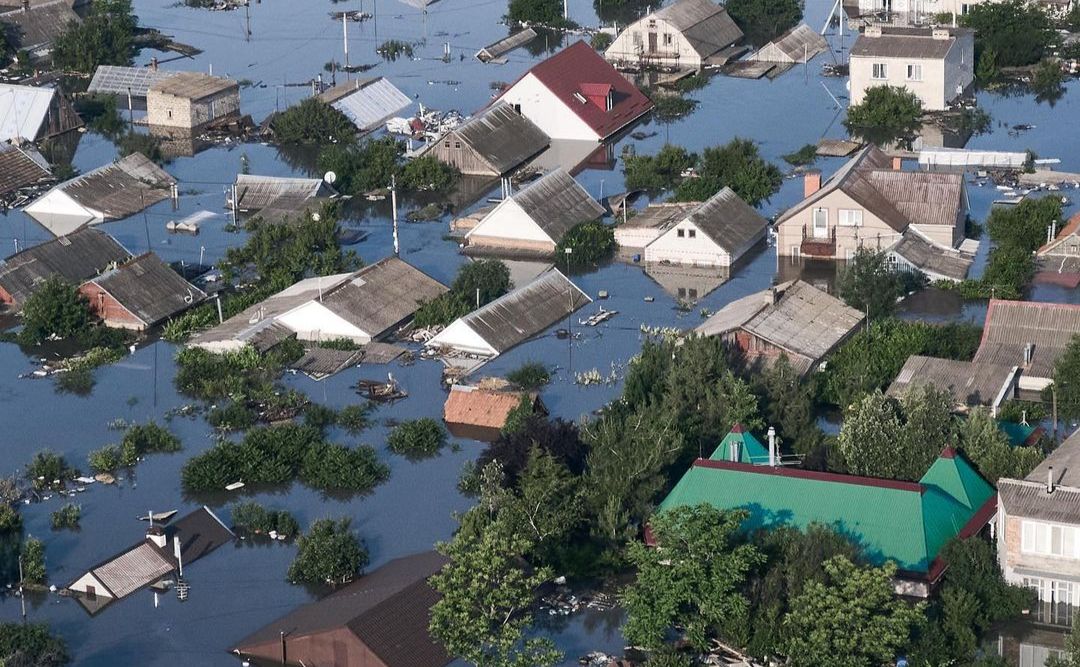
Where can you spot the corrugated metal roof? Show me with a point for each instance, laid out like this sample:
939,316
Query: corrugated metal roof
502,137
968,382
1011,325
527,311
800,44
81,255
905,42
706,25
741,445
36,29
1066,462
133,569
473,406
931,258
379,296
367,102
1029,499
192,85
116,80
21,167
729,221
254,193
506,45
149,289
23,110
557,203
906,522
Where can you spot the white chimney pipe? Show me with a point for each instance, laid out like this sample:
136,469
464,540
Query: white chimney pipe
772,446
733,451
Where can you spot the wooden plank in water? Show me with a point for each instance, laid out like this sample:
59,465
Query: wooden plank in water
748,69
505,45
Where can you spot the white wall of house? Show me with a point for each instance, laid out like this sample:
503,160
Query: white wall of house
655,38
837,208
313,321
552,115
508,221
58,202
461,336
944,235
934,81
924,8
686,244
88,582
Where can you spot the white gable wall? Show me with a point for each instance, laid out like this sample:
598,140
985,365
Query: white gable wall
460,336
313,321
550,114
508,221
635,39
58,202
88,579
698,251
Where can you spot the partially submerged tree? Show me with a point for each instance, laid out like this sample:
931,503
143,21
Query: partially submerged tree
329,553
986,445
885,113
589,243
313,122
737,165
659,172
105,37
55,309
476,284
764,20
869,285
31,645
1015,33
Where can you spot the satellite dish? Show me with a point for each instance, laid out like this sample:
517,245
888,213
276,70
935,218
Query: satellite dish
330,177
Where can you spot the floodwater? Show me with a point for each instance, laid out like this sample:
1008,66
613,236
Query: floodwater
238,589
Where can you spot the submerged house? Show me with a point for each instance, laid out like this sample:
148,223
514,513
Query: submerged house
492,143
905,522
716,233
535,219
794,319
969,383
35,26
278,198
360,307
683,35
150,561
75,258
29,113
379,620
126,81
480,414
937,63
576,94
512,318
112,192
916,252
139,294
366,102
191,100
798,45
1059,258
21,167
869,202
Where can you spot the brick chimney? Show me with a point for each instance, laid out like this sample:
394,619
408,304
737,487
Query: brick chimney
811,183
897,163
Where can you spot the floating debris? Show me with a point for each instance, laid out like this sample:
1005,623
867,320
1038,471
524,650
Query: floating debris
381,392
601,315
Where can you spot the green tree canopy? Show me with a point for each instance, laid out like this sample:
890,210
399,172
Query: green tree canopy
885,113
694,580
104,37
31,645
329,553
656,173
988,448
476,284
1015,32
1067,381
56,308
737,165
852,619
868,285
545,12
764,20
590,243
313,122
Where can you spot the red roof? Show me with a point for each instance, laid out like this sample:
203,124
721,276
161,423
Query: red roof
580,69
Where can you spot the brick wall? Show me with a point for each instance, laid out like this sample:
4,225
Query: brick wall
108,310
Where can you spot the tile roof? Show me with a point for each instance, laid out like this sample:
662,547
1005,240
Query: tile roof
367,102
706,25
21,167
23,111
729,221
149,289
579,64
557,203
486,408
37,28
1010,325
905,42
502,137
75,258
906,522
968,382
387,610
931,258
192,85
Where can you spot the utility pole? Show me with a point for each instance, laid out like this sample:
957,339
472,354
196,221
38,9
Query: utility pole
22,595
393,204
345,33
570,313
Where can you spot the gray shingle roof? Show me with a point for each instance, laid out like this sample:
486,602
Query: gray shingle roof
76,257
502,137
729,221
705,25
122,188
970,383
1010,325
1029,499
905,42
38,27
932,258
794,46
147,288
379,296
557,203
21,167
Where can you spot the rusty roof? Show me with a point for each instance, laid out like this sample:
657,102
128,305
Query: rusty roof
486,408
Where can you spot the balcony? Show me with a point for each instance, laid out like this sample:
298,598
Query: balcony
816,246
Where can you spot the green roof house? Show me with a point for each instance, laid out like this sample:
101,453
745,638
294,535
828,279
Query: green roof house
905,522
741,445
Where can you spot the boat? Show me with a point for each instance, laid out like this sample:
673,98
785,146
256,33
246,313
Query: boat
159,517
234,486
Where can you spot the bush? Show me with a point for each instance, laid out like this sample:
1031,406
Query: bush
313,122
670,108
545,12
240,375
234,416
764,20
737,165
590,243
255,519
104,460
10,521
31,645
529,376
338,468
355,418
419,438
427,174
33,562
656,173
329,553
66,517
806,155
48,470
143,439
56,308
477,284
601,40
105,37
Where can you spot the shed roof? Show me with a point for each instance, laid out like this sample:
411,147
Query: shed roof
1010,325
579,64
23,111
21,167
38,27
192,85
75,258
800,44
705,24
367,102
906,522
906,42
502,137
149,289
729,221
381,295
931,257
139,566
970,383
486,408
118,80
254,193
388,610
557,203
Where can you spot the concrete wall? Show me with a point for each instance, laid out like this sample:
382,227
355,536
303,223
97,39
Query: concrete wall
626,50
930,89
873,233
550,114
171,111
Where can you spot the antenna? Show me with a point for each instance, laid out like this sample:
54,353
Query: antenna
393,204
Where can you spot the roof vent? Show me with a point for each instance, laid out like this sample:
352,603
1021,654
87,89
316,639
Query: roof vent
1050,479
1029,353
64,241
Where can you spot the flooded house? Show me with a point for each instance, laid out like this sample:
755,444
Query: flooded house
75,258
687,284
793,319
21,167
513,318
683,35
1058,259
278,198
904,522
30,114
366,102
139,294
111,192
379,620
157,558
915,252
131,83
870,202
191,100
937,63
532,221
34,26
969,383
575,94
1038,532
480,413
492,143
362,306
801,44
715,233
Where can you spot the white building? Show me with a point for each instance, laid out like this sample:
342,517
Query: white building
682,35
936,64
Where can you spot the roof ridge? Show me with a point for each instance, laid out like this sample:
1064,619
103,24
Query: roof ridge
816,475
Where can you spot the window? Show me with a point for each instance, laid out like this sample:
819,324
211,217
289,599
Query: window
168,113
692,233
668,39
682,292
914,72
1074,249
693,293
850,217
637,38
457,144
580,98
446,144
1047,539
881,71
680,233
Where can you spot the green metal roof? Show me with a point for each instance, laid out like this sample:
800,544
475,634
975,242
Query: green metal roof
1018,434
750,449
906,522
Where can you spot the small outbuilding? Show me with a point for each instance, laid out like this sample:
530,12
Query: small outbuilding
140,294
683,35
278,198
969,383
367,102
534,220
916,252
191,100
717,232
798,45
493,143
29,113
74,258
